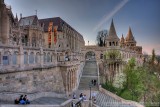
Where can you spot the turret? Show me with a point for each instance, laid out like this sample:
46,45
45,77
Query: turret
129,40
112,39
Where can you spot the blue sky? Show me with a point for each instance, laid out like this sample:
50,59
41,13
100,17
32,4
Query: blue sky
90,16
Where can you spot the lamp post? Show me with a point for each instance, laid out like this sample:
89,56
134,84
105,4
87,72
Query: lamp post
90,92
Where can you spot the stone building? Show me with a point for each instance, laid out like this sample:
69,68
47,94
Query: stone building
125,47
29,65
48,55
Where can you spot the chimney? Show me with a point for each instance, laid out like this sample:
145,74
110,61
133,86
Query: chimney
20,15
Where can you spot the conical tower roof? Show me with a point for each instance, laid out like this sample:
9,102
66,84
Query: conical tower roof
122,39
112,32
129,36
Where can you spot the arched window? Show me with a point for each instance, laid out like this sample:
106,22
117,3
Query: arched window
25,58
6,58
48,57
14,58
31,58
44,57
37,59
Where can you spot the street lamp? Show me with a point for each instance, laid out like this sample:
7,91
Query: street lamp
90,93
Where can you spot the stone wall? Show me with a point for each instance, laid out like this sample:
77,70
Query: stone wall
40,80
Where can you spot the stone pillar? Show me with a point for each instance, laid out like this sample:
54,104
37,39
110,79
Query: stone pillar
21,57
41,57
71,80
10,59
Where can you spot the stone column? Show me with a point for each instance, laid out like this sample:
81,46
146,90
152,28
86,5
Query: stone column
10,59
41,56
71,80
21,57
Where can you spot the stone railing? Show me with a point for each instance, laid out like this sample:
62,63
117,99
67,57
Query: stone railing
68,63
128,102
17,58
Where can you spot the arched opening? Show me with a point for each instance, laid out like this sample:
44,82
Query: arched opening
48,57
90,55
14,58
44,57
25,58
6,57
37,59
31,58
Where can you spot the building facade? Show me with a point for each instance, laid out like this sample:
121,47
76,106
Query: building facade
33,62
48,55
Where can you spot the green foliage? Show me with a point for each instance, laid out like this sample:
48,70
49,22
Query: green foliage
141,83
109,86
127,94
112,54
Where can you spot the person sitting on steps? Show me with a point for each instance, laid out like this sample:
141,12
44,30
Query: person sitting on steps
26,100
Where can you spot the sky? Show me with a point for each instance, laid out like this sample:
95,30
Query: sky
90,16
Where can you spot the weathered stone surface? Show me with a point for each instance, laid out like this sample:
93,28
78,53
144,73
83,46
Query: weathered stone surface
32,81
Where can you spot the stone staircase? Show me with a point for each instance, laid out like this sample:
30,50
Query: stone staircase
89,74
103,100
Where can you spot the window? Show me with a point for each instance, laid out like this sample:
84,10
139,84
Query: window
25,58
31,58
6,58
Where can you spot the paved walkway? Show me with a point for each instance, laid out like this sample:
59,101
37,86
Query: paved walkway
42,101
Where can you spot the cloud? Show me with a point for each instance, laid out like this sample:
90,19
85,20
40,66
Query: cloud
111,14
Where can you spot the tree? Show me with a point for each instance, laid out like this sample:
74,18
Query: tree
101,37
133,82
153,57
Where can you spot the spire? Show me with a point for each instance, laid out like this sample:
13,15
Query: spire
129,36
112,32
122,39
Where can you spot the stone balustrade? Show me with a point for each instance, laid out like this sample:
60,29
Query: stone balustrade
128,102
16,58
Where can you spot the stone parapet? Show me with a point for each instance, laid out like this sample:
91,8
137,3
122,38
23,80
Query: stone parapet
128,102
11,96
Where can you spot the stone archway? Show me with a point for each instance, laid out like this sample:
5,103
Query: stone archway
90,55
